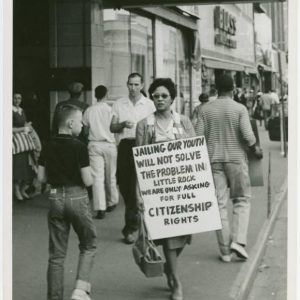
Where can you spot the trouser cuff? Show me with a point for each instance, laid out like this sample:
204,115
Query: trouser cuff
83,285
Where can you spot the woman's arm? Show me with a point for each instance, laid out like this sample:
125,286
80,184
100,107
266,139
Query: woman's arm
18,129
26,128
188,127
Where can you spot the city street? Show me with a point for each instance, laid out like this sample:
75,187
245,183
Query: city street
115,275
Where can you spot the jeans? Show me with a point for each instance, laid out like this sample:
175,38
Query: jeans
69,206
103,160
236,177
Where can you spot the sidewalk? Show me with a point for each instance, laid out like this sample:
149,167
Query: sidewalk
115,275
271,278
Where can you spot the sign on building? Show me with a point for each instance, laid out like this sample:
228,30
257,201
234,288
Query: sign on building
225,24
177,188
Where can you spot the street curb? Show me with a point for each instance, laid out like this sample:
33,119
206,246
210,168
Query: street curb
244,280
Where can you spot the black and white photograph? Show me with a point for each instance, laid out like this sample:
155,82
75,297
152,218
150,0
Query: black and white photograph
148,150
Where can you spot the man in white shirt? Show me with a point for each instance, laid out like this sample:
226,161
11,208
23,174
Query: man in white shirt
267,101
127,112
103,154
275,97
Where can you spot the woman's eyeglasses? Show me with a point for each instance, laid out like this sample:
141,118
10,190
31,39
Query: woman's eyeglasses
157,96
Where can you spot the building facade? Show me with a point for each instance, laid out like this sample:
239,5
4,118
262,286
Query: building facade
60,41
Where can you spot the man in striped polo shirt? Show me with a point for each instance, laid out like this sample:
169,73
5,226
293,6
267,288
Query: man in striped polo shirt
227,129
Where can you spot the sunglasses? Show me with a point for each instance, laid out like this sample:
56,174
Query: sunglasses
157,96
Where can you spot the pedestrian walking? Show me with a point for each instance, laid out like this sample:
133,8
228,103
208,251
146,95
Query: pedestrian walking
64,164
258,110
127,112
266,102
166,125
103,154
227,129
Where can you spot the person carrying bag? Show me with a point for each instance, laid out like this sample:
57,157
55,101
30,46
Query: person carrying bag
145,253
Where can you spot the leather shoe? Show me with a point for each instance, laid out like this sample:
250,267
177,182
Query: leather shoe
111,208
100,214
239,250
80,295
129,239
226,258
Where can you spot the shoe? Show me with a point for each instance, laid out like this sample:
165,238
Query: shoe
239,250
129,239
177,293
226,258
111,208
100,214
80,295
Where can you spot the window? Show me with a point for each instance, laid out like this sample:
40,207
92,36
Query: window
128,47
173,61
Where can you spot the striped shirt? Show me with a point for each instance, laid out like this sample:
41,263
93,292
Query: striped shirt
227,130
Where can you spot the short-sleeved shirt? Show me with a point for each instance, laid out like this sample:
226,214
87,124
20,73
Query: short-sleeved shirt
63,157
124,110
98,118
267,101
227,130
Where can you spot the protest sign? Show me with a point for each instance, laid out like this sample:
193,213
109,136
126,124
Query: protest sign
177,187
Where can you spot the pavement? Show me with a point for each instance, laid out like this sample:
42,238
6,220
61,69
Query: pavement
271,279
115,275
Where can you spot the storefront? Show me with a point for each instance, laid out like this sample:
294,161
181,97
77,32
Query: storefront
138,41
82,41
227,43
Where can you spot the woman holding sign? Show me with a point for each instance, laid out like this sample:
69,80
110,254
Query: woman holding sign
166,125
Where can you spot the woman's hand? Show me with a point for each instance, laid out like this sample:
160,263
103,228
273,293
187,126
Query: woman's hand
140,206
28,127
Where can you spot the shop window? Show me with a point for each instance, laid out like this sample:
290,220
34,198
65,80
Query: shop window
173,61
128,48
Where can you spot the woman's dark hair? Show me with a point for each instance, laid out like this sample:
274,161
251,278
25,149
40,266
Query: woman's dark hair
165,82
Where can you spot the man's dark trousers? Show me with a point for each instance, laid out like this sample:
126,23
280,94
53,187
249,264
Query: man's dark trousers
126,179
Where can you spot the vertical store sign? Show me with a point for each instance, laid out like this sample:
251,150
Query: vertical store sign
177,188
225,25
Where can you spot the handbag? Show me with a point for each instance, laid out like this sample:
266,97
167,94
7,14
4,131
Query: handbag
22,142
145,253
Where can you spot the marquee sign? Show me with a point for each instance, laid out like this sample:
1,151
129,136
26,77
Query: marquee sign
225,25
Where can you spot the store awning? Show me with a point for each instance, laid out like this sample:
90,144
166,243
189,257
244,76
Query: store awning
143,3
226,65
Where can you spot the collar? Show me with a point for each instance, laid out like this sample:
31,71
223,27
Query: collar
143,100
64,135
17,109
223,97
175,117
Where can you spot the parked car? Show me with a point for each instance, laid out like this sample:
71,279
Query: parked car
274,122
